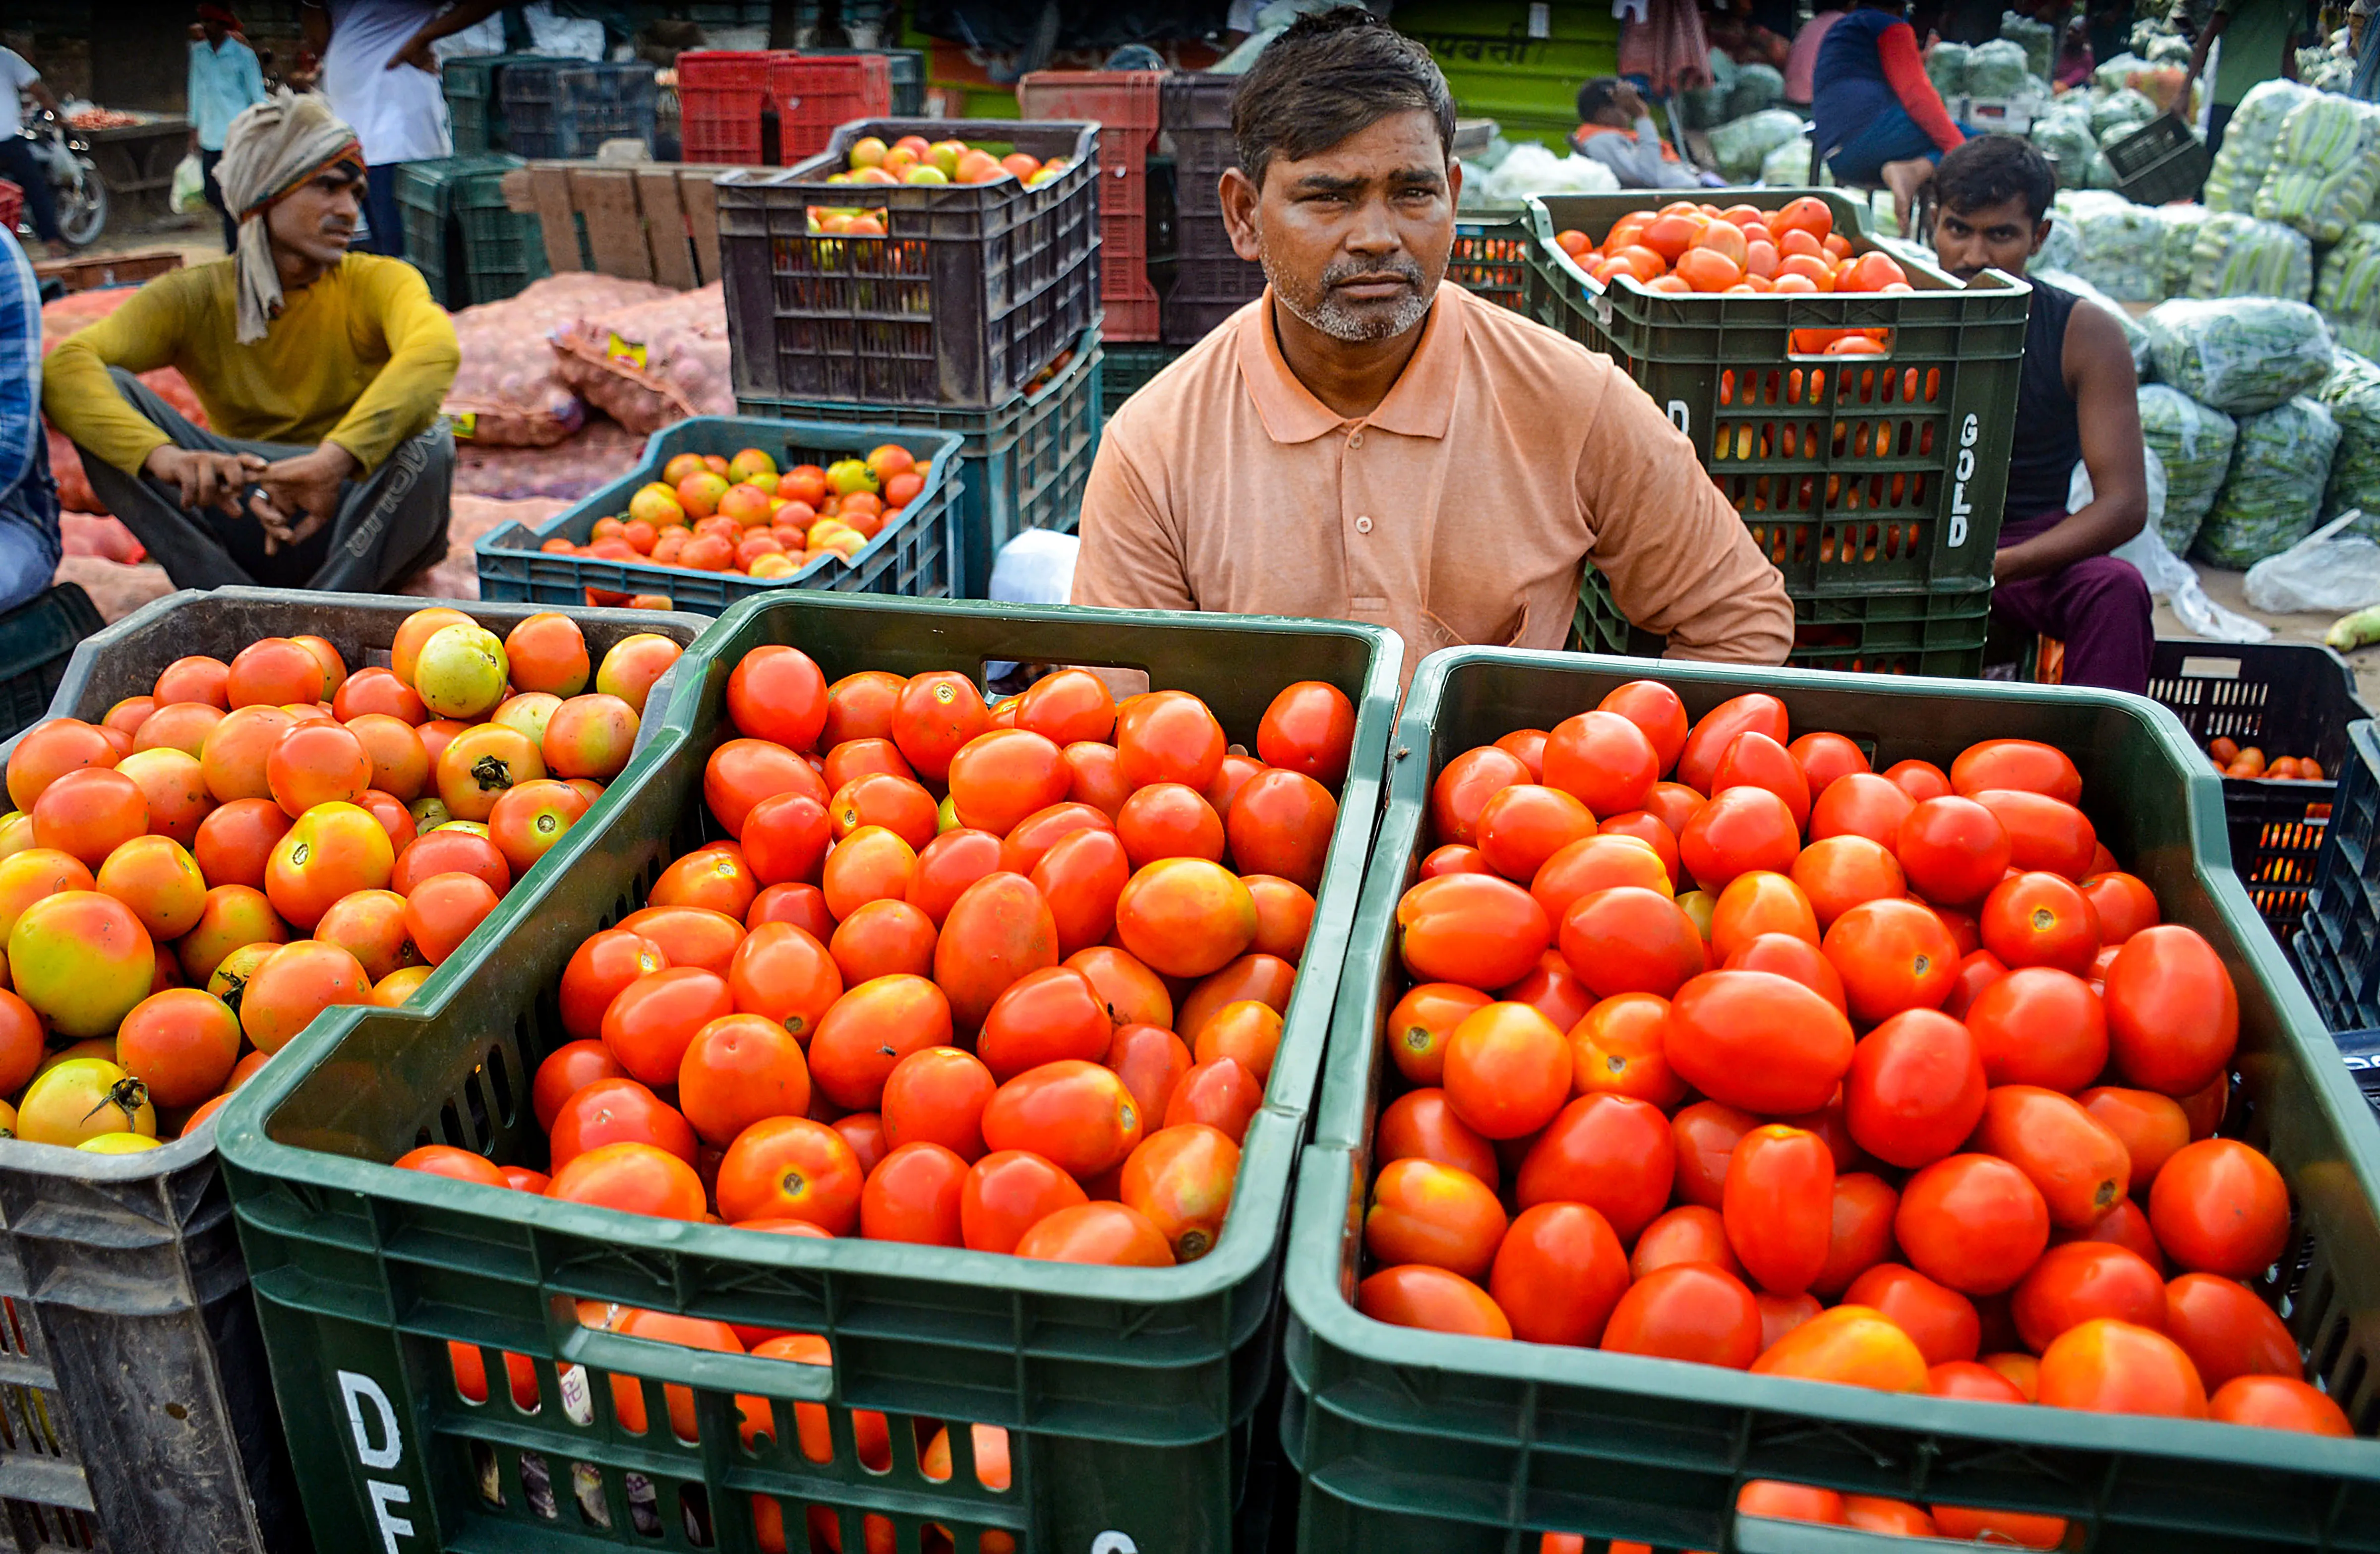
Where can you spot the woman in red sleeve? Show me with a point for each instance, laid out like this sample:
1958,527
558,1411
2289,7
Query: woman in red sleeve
1876,116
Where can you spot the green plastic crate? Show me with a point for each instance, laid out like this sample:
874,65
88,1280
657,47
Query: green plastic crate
475,106
1022,465
504,250
1124,368
915,554
1936,634
1877,475
1413,1441
1128,1393
428,197
1490,259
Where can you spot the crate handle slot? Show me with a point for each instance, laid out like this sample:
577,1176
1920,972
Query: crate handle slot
646,1359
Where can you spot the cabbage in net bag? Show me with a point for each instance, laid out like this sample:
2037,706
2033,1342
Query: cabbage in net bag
2064,136
1788,167
2240,256
2243,354
1946,66
2119,114
2323,165
2195,444
1756,87
2247,150
2272,499
1741,147
2037,39
2349,292
2351,395
1995,69
2123,245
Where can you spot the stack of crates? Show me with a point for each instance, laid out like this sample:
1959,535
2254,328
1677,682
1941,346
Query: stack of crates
474,104
721,94
1124,104
1873,482
813,93
1210,282
459,234
568,108
976,311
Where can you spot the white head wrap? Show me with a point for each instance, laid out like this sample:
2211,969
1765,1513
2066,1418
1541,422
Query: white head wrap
272,147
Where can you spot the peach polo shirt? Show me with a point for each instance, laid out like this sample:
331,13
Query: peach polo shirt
1460,511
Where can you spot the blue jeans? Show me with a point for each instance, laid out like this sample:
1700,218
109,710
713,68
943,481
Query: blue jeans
381,210
30,545
1891,136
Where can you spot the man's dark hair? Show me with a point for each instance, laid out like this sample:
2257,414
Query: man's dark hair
1991,169
1331,74
1595,96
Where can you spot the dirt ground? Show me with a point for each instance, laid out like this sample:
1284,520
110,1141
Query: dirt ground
2225,588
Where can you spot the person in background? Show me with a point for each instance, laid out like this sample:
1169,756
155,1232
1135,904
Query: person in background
224,77
19,164
2075,60
2077,403
321,371
30,545
1875,114
1616,128
377,73
1364,443
2259,41
2363,47
1802,61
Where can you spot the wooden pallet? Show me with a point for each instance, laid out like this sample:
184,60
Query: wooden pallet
654,221
115,269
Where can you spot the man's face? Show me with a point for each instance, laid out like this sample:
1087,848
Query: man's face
317,220
214,29
1999,237
1354,240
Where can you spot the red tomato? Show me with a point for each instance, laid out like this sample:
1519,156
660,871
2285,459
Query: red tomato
1416,1295
1851,1345
1915,1090
1006,1194
1893,956
1628,940
1558,1272
1758,1040
2043,832
2226,1332
2017,763
1970,1380
1825,756
777,693
2173,1015
1938,1320
2040,1026
1861,1233
2220,1207
1979,970
935,716
1921,780
1595,863
1621,1047
2124,903
1704,1136
1523,825
1752,759
1473,928
1706,746
1788,955
1420,1126
2040,918
1466,785
1861,803
2079,1165
2081,1279
1691,1234
1973,1223
1790,1502
1687,1311
1836,873
1604,759
1953,850
2277,1402
1168,737
1424,1212
914,1196
1779,1207
1310,729
1654,708
2151,1126
1612,1153
1508,1071
1740,830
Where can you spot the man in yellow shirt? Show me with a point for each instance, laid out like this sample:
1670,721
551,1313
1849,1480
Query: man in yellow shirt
322,372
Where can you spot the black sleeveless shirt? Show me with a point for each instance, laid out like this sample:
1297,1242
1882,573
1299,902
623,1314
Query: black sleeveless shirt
2049,442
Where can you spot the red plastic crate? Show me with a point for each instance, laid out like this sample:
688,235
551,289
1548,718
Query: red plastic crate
1125,103
816,92
720,95
12,205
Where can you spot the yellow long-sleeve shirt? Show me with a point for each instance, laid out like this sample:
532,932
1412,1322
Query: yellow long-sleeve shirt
361,357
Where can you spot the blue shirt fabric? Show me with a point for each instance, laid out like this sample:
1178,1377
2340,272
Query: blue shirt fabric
222,82
29,498
1851,89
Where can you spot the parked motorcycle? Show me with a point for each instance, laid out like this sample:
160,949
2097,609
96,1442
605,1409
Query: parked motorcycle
75,182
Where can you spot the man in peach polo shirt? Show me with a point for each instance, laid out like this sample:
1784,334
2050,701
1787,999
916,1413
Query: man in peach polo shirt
1364,443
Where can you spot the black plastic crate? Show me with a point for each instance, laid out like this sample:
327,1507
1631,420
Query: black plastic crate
1210,282
2338,948
907,68
1936,634
475,108
37,638
2163,160
569,108
1022,466
2288,699
428,195
972,292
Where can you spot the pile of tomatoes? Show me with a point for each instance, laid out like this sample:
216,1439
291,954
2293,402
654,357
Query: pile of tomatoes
2233,759
711,514
1005,978
1686,248
1722,1047
186,883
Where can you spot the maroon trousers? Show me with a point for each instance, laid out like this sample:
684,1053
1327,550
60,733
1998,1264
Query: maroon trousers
2098,607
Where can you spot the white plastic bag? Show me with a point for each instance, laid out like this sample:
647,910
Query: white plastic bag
1036,567
2167,576
189,186
2323,573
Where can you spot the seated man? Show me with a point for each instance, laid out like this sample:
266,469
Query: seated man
1616,128
2078,401
320,370
29,498
1363,443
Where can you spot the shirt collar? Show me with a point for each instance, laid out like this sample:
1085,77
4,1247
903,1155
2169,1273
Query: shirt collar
1420,403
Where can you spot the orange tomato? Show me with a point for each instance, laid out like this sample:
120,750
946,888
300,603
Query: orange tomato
2108,1367
1424,1212
1416,1295
1854,1345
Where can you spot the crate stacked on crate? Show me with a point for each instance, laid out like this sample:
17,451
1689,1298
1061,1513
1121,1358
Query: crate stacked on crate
1210,282
915,554
459,232
140,1416
812,93
2338,949
475,109
1420,1442
1873,482
1127,1394
1490,259
1124,104
568,108
976,312
721,94
2284,699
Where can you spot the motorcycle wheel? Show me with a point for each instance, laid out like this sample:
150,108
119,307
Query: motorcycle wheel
82,207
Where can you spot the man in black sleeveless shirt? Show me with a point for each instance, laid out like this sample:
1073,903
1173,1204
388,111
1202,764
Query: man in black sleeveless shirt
2077,403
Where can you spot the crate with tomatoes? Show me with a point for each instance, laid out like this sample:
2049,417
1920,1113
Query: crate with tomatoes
1796,1097
1854,405
882,1131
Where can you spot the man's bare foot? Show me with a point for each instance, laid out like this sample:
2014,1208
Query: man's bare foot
1905,178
